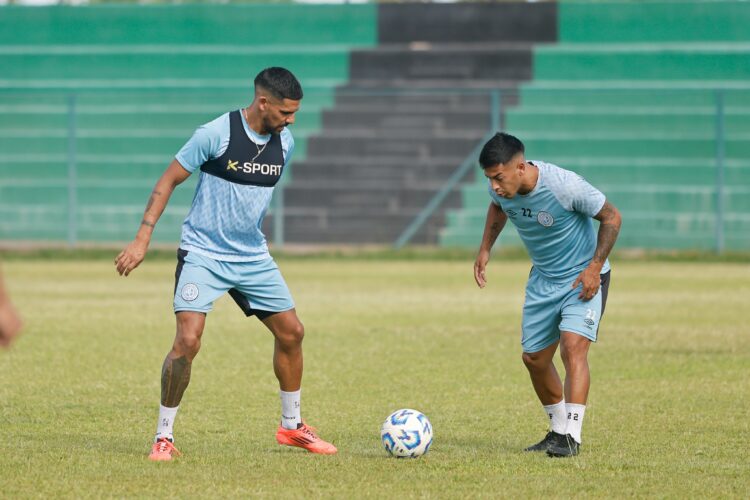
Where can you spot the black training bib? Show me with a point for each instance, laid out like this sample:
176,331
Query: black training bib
245,162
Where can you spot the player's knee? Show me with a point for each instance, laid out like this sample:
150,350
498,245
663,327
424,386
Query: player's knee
574,354
292,335
297,333
187,345
189,331
532,360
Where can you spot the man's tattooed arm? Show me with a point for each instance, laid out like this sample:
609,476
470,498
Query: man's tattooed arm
609,227
493,226
149,219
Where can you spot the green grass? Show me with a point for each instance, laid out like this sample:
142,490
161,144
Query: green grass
667,414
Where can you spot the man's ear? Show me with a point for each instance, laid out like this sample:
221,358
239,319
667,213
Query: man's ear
262,102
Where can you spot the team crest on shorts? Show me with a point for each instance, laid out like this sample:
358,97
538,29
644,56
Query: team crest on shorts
545,219
189,292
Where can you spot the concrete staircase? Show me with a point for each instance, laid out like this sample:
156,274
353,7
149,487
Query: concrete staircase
413,109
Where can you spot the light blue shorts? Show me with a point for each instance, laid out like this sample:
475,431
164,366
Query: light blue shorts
553,307
257,287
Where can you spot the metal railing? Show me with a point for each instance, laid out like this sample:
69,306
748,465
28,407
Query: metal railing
18,167
455,178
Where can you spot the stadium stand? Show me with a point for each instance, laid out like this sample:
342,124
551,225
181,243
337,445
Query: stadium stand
413,109
94,102
114,91
628,98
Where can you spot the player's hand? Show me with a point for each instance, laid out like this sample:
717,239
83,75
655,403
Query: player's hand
480,265
10,323
130,257
591,281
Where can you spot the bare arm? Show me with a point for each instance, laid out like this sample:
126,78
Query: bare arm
493,225
10,322
133,254
609,227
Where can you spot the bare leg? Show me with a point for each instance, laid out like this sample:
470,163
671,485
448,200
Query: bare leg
287,353
175,373
10,322
543,375
288,333
574,350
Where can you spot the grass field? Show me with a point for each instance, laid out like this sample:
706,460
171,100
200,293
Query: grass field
667,415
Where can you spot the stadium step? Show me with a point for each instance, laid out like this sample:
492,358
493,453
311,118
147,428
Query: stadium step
412,148
573,62
360,199
426,119
429,23
124,121
666,21
75,64
389,171
402,101
652,94
329,227
685,120
147,100
266,27
542,145
460,63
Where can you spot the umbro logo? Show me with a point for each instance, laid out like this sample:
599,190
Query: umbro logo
511,213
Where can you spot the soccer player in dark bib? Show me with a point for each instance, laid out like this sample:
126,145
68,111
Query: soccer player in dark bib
241,156
552,210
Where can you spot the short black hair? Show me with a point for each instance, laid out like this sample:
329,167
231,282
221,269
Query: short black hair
500,149
280,82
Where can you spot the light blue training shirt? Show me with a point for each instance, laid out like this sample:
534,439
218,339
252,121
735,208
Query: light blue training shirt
224,222
555,222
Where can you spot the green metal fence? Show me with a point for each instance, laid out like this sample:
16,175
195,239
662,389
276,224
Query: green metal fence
78,167
675,160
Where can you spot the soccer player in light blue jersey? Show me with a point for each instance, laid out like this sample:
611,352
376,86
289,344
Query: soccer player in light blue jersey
241,156
552,210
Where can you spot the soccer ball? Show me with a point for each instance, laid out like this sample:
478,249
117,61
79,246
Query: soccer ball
406,433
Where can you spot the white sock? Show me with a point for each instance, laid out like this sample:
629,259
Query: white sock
290,409
166,421
558,418
575,420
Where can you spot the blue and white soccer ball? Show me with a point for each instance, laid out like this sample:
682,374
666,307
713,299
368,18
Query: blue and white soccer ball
406,433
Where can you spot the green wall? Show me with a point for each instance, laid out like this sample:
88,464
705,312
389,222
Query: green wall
132,83
630,98
654,21
214,24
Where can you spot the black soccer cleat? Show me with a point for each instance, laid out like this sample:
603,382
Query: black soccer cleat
563,446
543,445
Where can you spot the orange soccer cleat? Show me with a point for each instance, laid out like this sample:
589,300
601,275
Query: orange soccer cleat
162,450
304,437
